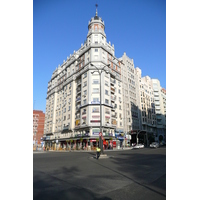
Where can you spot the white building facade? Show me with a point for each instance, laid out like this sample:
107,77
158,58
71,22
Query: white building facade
160,109
73,96
130,87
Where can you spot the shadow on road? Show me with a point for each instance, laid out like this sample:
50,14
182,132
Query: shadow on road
77,176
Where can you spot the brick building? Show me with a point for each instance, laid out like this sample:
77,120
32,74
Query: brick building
38,126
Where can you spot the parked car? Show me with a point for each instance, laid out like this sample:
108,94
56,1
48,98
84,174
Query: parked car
154,145
138,146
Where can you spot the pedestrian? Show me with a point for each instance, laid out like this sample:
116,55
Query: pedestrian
98,152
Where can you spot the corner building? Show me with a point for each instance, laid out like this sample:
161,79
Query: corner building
73,97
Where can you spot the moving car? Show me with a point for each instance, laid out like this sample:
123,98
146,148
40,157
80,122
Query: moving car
138,146
154,145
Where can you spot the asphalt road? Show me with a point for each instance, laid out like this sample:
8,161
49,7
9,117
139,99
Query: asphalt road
128,174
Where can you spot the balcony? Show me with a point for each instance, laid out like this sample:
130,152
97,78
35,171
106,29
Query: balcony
112,90
66,127
107,124
77,117
78,99
84,124
114,122
112,107
112,81
78,83
78,90
95,121
113,98
77,107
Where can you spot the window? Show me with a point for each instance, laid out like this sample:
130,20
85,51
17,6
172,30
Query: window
64,118
69,108
85,84
107,120
95,99
84,111
84,121
85,92
96,50
119,91
106,92
95,90
106,83
95,81
95,109
106,101
85,75
107,111
84,101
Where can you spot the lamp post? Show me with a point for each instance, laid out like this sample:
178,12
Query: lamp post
100,72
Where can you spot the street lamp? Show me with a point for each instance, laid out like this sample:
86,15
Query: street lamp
100,72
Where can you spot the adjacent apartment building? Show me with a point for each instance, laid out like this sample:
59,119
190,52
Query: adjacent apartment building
130,87
160,108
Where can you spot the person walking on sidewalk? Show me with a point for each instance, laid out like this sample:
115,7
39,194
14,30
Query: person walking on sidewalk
98,152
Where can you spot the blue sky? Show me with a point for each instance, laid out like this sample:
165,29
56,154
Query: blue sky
137,27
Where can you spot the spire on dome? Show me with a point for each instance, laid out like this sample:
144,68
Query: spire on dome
96,9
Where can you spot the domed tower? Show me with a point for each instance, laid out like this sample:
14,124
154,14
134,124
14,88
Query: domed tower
96,30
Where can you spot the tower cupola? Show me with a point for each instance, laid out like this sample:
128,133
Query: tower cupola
96,25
